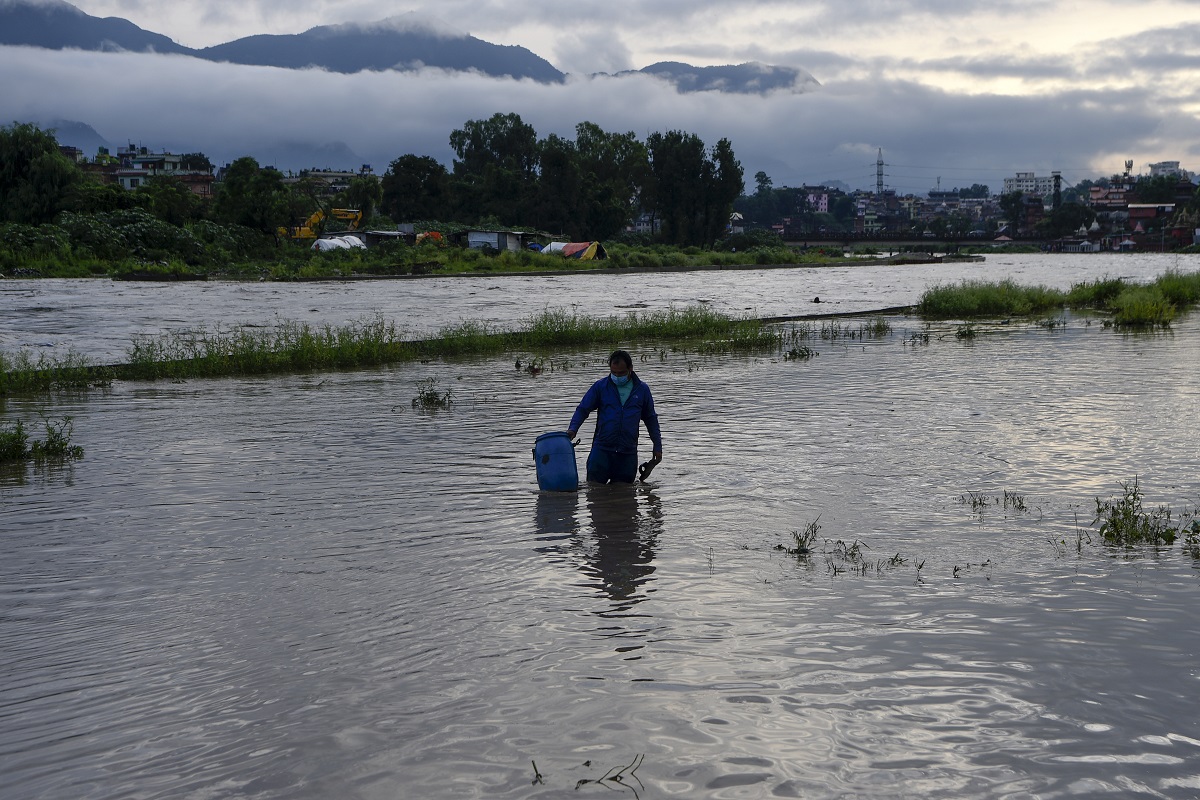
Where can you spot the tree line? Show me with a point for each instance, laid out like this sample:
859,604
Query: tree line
503,175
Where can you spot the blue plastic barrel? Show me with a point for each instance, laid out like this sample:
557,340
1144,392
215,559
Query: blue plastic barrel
555,458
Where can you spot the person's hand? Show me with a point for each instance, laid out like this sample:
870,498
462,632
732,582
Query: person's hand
570,433
645,469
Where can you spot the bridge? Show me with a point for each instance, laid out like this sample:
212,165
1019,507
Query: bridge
898,241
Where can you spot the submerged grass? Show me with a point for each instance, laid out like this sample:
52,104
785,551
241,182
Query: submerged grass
1125,522
288,347
15,444
1131,305
23,373
987,299
299,347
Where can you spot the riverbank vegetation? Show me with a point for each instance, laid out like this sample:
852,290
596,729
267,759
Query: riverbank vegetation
299,347
133,245
1127,304
16,446
58,220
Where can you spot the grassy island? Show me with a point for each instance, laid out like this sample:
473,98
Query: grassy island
1129,304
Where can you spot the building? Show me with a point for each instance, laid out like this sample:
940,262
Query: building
138,165
1029,184
334,181
645,223
1168,168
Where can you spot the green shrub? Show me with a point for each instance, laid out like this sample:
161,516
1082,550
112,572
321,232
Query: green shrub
987,299
93,237
750,240
1125,522
14,442
149,238
1179,288
15,445
1095,294
1142,306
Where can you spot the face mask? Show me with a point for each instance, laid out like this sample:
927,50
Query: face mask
620,380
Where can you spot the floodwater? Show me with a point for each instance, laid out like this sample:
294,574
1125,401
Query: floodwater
99,318
304,587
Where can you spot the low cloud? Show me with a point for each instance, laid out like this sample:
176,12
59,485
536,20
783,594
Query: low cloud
406,23
834,132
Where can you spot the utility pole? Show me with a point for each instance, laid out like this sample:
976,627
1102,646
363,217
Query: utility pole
879,174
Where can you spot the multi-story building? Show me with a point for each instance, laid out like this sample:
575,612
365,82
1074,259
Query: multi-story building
1168,168
138,165
1030,185
334,180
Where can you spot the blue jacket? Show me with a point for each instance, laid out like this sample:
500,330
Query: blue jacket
616,425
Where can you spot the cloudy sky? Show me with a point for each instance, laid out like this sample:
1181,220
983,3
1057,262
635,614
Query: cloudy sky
960,91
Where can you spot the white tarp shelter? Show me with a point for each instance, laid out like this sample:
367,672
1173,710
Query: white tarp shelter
339,243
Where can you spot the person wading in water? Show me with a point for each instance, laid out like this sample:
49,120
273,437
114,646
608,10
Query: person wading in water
622,401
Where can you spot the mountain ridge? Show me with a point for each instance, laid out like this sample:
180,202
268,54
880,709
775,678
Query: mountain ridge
403,43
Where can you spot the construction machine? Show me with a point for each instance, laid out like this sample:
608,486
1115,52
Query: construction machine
314,225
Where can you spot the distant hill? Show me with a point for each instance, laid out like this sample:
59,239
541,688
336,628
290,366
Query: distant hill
748,78
76,134
59,25
399,43
296,155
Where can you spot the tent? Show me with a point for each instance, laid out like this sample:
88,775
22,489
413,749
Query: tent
584,251
338,243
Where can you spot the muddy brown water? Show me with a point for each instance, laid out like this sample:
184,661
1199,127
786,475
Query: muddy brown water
304,587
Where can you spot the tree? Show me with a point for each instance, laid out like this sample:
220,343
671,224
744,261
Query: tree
1012,205
1065,220
676,188
763,207
977,190
692,189
195,162
762,183
727,183
364,193
959,224
252,196
169,199
556,205
1159,189
613,168
844,210
92,197
35,178
496,168
416,188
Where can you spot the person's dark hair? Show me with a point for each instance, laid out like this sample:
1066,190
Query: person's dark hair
621,355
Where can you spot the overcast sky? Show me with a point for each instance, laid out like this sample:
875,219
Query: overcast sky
964,91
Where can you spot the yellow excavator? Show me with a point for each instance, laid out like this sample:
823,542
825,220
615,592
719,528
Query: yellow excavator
312,227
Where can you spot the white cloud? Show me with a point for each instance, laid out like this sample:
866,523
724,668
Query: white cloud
834,132
404,23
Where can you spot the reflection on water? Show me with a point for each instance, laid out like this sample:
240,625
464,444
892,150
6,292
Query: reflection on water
616,543
626,525
297,587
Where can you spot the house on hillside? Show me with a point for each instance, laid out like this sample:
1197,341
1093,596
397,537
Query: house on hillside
138,165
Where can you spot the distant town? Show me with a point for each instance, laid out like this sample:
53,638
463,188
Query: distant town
1154,210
